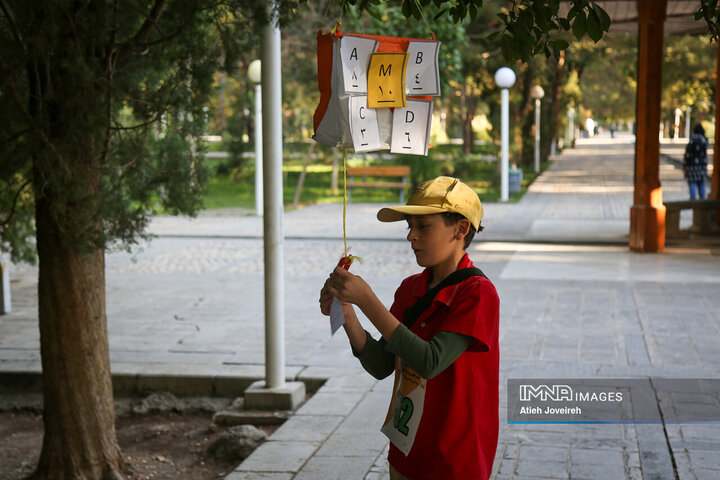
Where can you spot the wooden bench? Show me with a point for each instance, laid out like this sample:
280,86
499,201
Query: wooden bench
385,172
705,217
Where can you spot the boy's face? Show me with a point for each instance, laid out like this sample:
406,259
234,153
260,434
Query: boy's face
434,242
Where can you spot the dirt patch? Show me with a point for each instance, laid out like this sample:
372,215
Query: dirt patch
165,445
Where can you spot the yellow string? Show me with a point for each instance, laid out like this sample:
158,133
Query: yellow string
345,199
349,258
423,19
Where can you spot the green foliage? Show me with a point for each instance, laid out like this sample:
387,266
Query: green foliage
531,27
602,78
102,110
710,12
689,74
422,168
536,26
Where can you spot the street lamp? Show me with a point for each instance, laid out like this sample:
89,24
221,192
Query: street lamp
688,111
537,93
504,78
571,125
255,76
676,126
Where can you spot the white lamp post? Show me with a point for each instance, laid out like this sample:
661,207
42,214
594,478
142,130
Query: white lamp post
505,78
676,126
5,303
273,212
255,76
537,93
274,392
571,124
688,111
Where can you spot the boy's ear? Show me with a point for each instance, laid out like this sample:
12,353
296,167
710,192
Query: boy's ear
462,228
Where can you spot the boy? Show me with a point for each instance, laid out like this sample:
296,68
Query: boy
443,417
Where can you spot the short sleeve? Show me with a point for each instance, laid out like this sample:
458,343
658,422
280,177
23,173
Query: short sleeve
403,297
475,311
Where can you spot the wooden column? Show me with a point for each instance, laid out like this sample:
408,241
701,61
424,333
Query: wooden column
647,215
715,181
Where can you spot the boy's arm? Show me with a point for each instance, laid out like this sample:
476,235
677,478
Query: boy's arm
376,359
373,356
428,358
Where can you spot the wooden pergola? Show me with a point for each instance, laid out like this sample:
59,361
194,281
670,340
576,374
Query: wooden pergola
653,20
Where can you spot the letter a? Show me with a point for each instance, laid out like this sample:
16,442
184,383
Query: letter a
354,54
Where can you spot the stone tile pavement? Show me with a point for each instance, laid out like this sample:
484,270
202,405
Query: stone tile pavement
575,303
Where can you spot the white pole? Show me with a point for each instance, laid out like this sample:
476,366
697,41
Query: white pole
688,111
504,141
676,126
258,151
5,302
273,208
537,135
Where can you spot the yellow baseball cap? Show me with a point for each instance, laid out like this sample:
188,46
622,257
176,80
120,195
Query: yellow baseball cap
443,194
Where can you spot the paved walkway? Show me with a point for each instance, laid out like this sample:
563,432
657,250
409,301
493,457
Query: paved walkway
575,303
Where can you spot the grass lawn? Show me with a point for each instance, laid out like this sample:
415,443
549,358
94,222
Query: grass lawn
228,189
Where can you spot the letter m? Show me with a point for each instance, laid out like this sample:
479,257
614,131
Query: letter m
528,392
383,71
555,393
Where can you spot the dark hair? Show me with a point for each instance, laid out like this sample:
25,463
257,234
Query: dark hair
699,129
451,218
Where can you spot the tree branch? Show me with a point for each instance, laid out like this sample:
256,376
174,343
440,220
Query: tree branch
6,222
13,25
14,136
121,127
150,23
704,8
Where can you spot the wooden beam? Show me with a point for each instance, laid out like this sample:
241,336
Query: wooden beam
647,215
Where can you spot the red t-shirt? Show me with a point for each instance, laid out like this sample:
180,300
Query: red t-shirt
458,432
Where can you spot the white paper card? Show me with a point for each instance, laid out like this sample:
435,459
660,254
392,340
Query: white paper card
364,125
337,317
411,128
422,76
355,53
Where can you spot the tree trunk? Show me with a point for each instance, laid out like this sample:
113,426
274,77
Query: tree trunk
303,174
468,115
527,119
80,440
222,87
556,103
335,169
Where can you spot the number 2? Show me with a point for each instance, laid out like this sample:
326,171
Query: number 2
403,413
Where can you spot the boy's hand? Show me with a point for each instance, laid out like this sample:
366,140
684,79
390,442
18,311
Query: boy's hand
348,288
326,299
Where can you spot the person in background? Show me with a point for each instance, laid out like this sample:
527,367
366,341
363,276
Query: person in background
695,163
